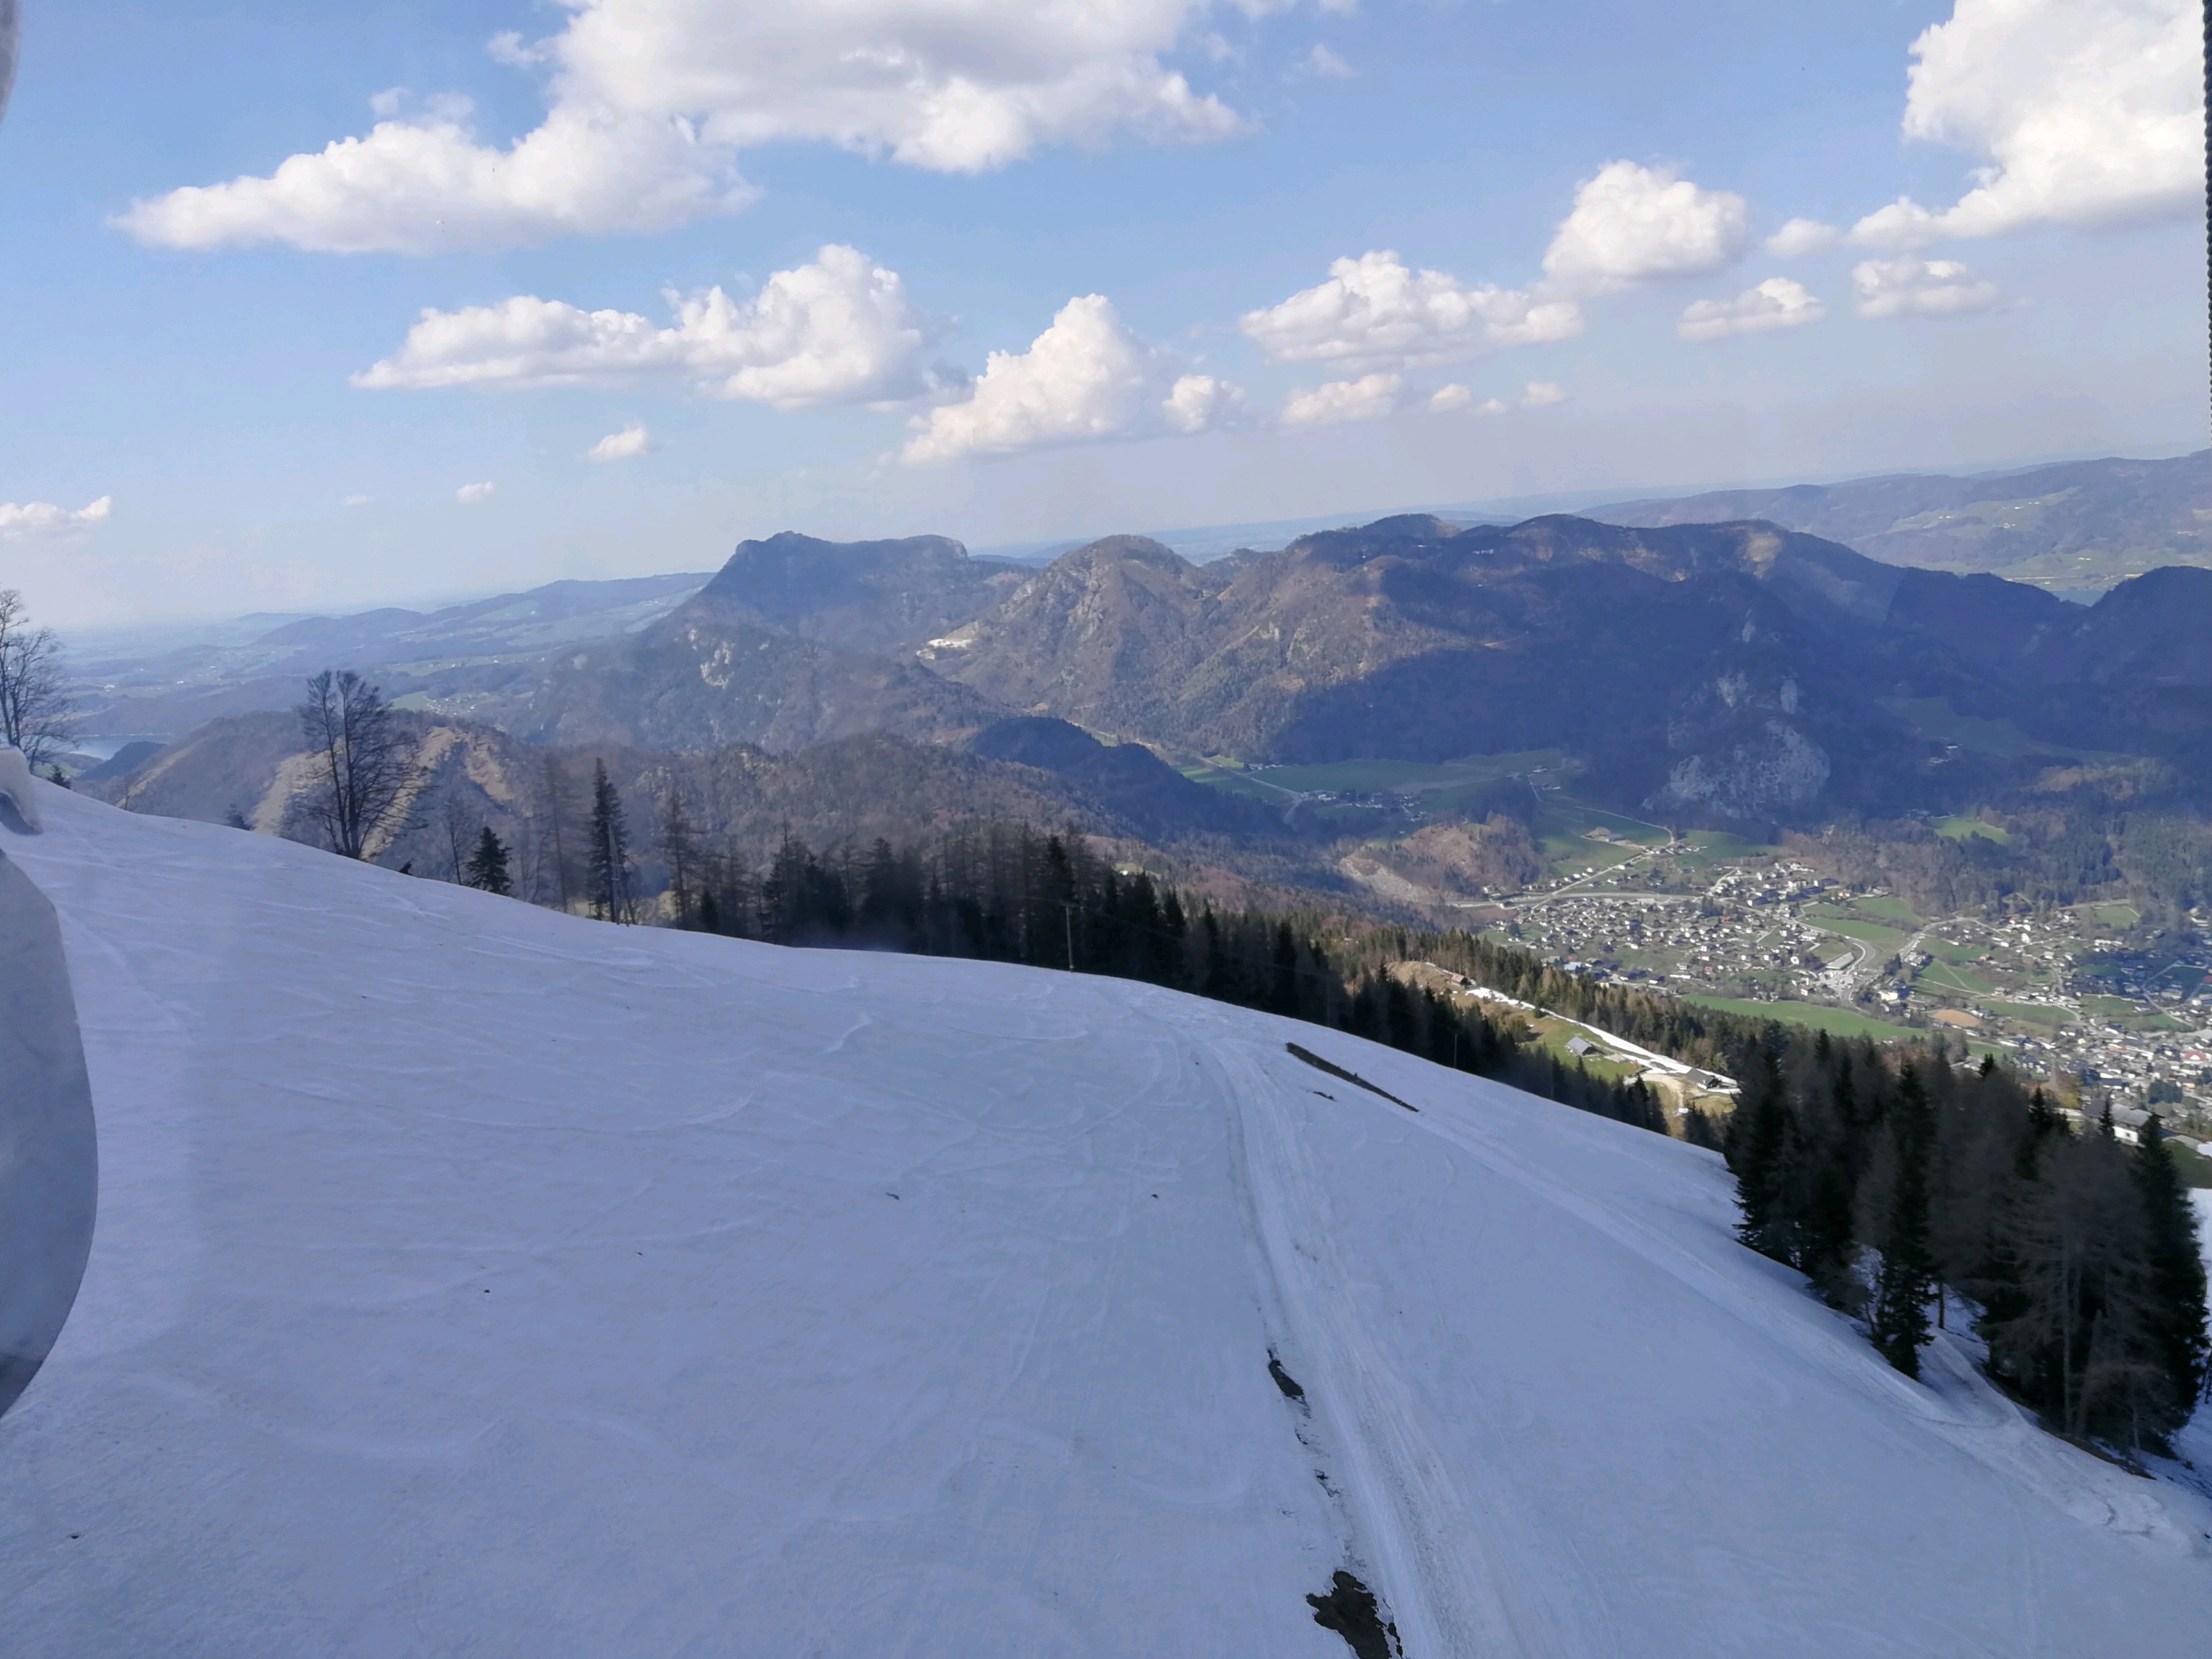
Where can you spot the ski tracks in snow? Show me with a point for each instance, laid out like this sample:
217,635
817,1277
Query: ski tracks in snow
1462,1577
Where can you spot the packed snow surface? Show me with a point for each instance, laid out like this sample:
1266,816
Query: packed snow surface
474,1281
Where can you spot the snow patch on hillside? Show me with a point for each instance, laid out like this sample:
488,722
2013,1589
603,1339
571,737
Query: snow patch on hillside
471,1279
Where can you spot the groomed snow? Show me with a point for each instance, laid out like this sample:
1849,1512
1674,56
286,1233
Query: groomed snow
473,1280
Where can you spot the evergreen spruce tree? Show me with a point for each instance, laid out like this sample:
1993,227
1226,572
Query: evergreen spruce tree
1830,1249
487,868
607,866
2176,1287
1282,998
1759,1134
1216,980
1900,1310
1397,1015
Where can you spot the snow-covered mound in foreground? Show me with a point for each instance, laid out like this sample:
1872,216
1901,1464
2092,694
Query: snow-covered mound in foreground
470,1279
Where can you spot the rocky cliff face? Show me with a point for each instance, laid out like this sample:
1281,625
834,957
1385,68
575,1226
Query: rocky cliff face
1763,772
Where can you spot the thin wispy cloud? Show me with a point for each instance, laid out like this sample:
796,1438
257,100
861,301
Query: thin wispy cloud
1778,302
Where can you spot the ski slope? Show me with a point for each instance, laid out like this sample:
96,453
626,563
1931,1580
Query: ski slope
474,1281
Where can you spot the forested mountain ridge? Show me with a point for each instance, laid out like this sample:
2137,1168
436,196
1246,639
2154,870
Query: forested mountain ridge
2074,526
253,771
1735,668
1094,636
699,679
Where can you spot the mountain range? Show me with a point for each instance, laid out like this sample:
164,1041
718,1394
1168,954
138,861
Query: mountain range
1728,674
251,771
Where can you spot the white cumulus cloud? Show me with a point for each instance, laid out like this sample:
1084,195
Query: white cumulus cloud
649,103
1490,406
1778,302
1374,312
1542,394
469,494
1197,402
626,444
1908,287
1801,237
356,500
1370,397
1323,64
838,330
2085,111
1632,223
1446,398
34,518
1085,380
422,186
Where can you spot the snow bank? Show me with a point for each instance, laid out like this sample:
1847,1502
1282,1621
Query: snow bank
473,1279
49,1162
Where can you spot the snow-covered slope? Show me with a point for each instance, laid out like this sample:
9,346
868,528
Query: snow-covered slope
470,1279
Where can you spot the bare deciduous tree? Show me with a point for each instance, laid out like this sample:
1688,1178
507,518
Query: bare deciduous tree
679,846
35,712
363,768
460,826
556,852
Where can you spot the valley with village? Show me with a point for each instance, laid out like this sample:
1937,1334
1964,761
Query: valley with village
2076,994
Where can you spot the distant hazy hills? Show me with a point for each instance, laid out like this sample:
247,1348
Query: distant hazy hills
487,654
2074,526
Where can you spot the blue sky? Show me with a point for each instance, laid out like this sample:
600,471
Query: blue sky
1138,203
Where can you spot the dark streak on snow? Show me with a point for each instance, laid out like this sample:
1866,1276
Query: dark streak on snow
1284,1380
1337,1070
